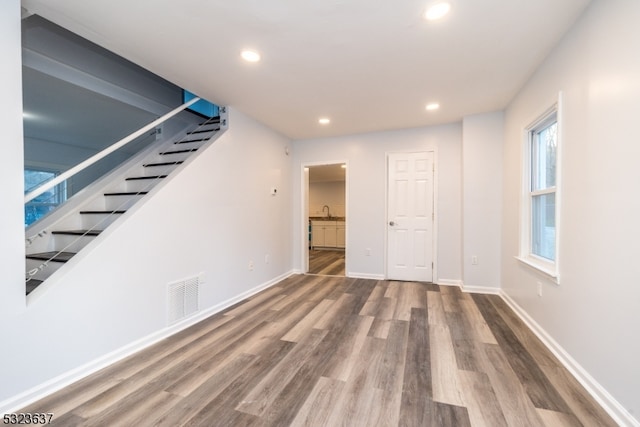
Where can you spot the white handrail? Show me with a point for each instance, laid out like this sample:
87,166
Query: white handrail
91,160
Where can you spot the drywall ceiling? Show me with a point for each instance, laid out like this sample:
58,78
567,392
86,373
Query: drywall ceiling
369,66
57,111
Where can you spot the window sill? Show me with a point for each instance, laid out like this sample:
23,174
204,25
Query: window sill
549,272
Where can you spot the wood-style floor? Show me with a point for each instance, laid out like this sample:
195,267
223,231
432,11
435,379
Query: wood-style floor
326,262
329,351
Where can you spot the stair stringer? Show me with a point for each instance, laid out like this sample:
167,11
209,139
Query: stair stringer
92,198
88,198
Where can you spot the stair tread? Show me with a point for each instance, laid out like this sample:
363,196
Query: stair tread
187,141
188,150
102,212
193,132
163,164
133,178
128,193
52,256
63,256
78,232
215,119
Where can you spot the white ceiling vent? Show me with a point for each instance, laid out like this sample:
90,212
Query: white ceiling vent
182,298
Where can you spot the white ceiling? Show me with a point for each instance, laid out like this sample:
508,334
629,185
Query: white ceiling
368,65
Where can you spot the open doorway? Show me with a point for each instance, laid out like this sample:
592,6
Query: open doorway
325,219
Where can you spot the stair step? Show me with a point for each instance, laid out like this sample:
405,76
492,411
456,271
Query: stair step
146,177
163,163
128,193
187,141
32,284
193,132
188,150
211,120
101,212
78,232
52,256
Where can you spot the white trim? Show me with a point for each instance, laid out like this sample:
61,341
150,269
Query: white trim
434,234
491,290
40,391
550,273
597,391
450,282
525,255
304,209
366,276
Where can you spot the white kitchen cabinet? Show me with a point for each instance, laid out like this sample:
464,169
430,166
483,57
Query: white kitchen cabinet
325,234
340,234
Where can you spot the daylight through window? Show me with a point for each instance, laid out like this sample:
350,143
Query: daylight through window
539,238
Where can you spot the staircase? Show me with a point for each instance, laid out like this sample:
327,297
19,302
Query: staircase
58,240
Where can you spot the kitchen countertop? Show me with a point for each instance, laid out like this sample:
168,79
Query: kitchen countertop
327,218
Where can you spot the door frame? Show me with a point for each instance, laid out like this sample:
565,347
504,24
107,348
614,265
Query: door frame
304,211
433,150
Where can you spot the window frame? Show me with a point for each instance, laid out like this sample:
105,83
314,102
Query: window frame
548,267
60,192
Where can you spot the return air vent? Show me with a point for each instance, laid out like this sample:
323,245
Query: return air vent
183,298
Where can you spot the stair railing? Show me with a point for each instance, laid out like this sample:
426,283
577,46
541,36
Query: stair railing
96,157
31,273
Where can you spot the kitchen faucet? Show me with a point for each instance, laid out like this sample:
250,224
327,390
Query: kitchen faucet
328,212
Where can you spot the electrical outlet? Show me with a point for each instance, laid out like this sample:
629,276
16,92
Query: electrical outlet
266,259
367,252
250,265
539,289
474,260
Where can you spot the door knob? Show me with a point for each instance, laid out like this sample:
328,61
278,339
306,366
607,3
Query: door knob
391,223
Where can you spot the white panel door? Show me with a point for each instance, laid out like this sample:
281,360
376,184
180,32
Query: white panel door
410,217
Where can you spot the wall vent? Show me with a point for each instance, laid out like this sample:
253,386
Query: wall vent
183,299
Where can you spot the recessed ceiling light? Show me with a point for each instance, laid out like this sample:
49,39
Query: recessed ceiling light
324,121
437,11
250,56
433,106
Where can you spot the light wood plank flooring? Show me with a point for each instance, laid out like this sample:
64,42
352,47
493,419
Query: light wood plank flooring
330,351
326,262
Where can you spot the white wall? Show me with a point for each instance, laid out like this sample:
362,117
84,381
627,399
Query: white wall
594,313
12,262
214,217
366,179
482,139
331,194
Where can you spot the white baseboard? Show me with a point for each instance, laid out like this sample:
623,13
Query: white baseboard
602,396
481,290
365,276
34,394
449,282
469,289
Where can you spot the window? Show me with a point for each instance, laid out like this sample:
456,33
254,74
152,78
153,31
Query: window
46,202
539,239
